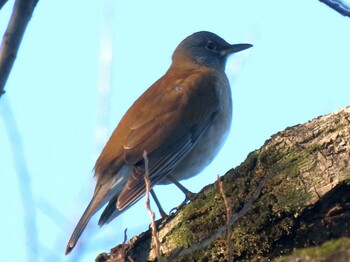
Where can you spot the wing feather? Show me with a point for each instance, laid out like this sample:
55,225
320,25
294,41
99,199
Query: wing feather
170,118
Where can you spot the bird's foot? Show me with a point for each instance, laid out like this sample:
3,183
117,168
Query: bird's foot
189,197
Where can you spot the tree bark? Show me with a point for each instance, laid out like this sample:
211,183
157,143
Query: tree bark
304,202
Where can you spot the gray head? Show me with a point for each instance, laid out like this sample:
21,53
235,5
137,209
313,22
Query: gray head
208,49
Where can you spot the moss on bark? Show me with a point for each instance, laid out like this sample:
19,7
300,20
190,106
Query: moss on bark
304,202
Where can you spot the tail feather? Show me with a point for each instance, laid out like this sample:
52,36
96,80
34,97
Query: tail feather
108,212
99,199
111,211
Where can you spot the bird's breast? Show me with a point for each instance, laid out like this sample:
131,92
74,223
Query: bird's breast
210,143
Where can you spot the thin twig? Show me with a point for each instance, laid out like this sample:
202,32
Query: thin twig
21,14
218,233
122,252
24,182
148,206
105,68
228,216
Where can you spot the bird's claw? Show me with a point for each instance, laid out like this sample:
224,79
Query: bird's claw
189,197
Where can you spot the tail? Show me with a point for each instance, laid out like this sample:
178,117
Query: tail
99,199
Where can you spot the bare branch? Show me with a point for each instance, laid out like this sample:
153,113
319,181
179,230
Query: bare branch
122,252
151,213
228,216
105,67
339,6
307,190
2,3
24,181
22,12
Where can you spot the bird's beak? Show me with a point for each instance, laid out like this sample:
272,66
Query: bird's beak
235,49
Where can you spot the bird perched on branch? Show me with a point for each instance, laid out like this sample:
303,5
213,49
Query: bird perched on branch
181,121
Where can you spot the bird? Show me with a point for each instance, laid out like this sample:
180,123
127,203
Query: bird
180,122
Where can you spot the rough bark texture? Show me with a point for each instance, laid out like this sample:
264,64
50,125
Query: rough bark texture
305,201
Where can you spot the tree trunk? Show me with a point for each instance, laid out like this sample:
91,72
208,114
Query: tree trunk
304,202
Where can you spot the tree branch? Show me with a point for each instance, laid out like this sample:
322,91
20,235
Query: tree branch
24,182
292,192
22,12
339,6
2,3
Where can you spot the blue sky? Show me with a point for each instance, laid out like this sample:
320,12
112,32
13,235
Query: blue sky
297,70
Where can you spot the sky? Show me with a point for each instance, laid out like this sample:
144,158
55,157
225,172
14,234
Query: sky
57,113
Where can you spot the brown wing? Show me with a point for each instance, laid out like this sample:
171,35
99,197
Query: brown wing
169,118
168,127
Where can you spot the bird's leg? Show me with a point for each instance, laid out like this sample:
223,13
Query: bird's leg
188,194
161,210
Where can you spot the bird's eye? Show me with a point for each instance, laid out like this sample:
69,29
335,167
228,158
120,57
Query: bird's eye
211,46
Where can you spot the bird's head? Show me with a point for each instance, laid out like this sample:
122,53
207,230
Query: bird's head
206,48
